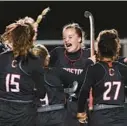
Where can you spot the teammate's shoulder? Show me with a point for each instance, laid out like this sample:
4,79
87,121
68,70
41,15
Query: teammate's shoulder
98,64
86,52
58,48
120,63
32,60
30,64
51,78
86,49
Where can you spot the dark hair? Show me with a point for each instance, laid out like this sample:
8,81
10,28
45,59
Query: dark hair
20,35
108,44
78,30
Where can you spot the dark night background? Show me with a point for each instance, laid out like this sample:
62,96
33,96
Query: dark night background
106,14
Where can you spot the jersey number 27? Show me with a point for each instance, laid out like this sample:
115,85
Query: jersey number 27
109,86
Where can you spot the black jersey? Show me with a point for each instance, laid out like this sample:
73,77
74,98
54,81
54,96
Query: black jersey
121,59
54,88
19,77
61,58
70,75
73,65
107,84
58,79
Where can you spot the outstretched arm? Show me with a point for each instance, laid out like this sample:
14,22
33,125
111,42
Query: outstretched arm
84,94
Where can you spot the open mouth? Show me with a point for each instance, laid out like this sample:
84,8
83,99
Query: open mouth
68,44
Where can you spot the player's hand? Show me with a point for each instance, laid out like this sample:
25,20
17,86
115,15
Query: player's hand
125,60
82,117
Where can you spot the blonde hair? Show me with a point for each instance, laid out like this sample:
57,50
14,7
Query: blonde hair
40,50
78,30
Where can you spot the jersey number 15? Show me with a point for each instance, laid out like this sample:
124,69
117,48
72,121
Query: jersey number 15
11,80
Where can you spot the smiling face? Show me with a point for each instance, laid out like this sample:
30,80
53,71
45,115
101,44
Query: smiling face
71,40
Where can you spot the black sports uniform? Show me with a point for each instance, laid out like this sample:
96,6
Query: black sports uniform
121,59
59,57
18,78
74,63
51,109
107,82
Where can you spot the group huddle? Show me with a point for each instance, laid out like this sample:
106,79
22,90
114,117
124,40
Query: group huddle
42,88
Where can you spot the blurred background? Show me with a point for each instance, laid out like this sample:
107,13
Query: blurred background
107,15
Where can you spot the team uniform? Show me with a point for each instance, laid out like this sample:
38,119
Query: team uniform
18,78
61,58
51,109
121,59
75,64
107,82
